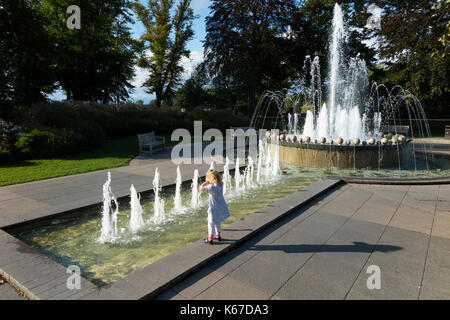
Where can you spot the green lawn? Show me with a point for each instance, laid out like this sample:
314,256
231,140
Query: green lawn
113,153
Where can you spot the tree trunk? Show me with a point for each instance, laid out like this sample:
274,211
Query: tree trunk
158,100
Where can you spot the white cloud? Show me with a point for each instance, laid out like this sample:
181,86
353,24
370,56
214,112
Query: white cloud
189,63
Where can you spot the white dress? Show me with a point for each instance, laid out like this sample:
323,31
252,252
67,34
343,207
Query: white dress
218,208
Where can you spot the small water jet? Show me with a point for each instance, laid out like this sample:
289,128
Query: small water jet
237,176
195,199
178,206
136,220
109,220
159,215
226,177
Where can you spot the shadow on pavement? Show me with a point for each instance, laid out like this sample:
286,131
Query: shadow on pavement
304,248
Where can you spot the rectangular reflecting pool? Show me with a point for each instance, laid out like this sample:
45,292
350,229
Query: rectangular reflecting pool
74,239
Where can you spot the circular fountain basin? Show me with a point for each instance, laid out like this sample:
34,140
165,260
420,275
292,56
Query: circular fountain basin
344,156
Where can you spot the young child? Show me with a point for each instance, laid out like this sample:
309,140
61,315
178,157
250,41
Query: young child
218,209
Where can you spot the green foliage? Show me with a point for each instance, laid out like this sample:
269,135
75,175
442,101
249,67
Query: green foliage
26,68
62,128
193,93
165,37
5,155
96,62
411,34
244,43
41,144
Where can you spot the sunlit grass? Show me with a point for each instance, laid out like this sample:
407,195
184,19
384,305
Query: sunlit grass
113,153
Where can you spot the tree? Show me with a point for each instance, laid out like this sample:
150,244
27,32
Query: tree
244,41
166,37
193,92
95,62
26,68
410,36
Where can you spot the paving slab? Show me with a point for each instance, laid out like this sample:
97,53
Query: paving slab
231,289
324,252
262,274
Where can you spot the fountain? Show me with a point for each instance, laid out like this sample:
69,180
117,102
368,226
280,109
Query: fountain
159,214
226,177
195,199
178,206
109,221
136,220
348,130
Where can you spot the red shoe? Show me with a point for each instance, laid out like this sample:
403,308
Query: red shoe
218,238
208,240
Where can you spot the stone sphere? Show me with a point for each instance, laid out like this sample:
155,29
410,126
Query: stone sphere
339,141
348,142
401,138
394,140
315,141
268,134
389,136
300,140
293,139
370,133
356,141
331,141
282,137
364,142
384,141
322,140
371,141
381,134
307,139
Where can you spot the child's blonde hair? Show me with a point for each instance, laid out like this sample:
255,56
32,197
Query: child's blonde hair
214,177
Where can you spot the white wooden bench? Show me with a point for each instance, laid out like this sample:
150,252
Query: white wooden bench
395,129
149,141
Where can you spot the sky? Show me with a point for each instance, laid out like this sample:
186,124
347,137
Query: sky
201,10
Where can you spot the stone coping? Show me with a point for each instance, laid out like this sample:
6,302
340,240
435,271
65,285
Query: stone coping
406,181
42,278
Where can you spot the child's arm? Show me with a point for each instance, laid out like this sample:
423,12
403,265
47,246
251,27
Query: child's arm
203,186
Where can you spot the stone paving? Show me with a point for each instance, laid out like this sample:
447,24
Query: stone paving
321,251
324,251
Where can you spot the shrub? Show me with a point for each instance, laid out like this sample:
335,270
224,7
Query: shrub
5,155
40,144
